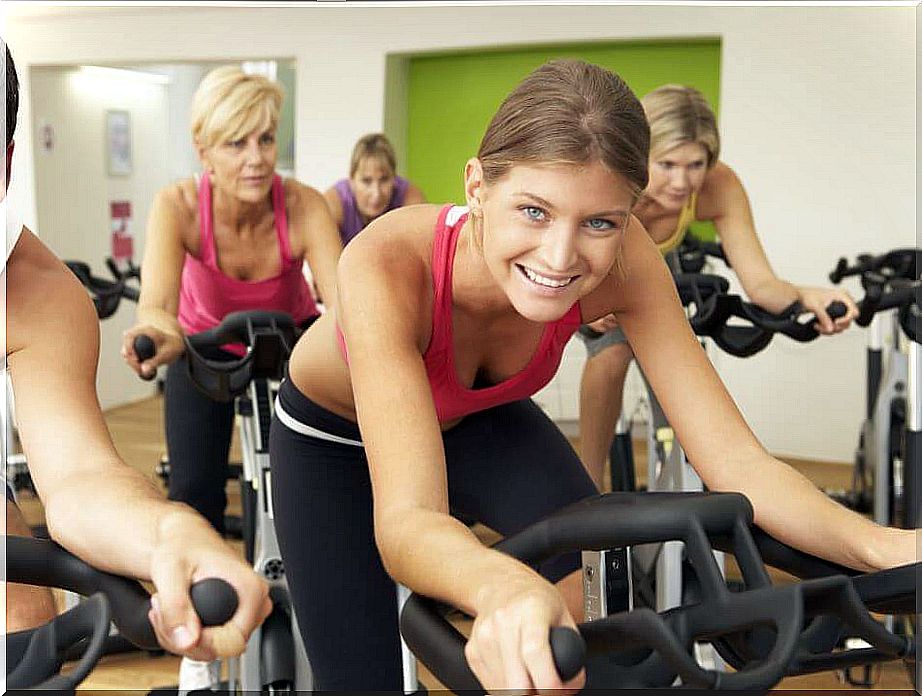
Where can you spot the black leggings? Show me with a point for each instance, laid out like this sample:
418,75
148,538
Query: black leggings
507,467
198,439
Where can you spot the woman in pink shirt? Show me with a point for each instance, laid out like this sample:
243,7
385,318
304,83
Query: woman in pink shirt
234,238
410,400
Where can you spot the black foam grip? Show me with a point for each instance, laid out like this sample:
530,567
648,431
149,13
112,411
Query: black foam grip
836,309
569,651
145,349
215,601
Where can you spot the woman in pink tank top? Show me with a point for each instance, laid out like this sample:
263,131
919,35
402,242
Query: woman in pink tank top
449,319
234,238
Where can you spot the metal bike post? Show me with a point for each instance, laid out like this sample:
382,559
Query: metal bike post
912,457
621,456
877,433
407,658
874,363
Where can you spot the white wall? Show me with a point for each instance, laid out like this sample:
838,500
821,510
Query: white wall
817,116
184,80
73,188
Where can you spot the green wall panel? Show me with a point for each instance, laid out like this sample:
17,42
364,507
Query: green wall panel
451,97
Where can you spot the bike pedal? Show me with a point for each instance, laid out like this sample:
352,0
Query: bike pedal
869,674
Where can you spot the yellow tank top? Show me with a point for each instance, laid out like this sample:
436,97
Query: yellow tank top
686,217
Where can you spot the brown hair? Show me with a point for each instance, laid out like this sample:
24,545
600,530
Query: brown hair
679,115
569,111
372,145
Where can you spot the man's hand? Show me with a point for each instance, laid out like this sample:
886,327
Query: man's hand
189,550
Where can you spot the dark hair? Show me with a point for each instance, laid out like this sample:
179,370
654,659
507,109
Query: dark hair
569,111
12,94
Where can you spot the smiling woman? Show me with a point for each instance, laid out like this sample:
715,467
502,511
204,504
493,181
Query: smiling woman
411,400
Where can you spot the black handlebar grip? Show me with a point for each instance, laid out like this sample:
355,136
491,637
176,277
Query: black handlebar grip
215,601
836,309
145,349
839,272
569,650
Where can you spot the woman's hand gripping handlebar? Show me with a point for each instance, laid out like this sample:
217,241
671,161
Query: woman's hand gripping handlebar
645,649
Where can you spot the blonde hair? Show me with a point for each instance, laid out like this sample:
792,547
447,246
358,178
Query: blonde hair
373,145
230,103
573,112
677,115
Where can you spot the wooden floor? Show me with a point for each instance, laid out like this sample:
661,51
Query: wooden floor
138,434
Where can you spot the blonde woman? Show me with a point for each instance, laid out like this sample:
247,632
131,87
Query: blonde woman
372,189
233,238
688,182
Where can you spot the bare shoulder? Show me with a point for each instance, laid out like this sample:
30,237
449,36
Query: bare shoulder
721,193
386,270
414,195
44,298
721,175
301,198
397,241
180,198
331,196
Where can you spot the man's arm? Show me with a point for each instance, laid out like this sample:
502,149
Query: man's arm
96,506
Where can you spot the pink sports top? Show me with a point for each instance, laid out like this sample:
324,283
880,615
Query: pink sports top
207,295
453,400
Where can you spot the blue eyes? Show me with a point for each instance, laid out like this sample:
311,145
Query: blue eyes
600,224
535,214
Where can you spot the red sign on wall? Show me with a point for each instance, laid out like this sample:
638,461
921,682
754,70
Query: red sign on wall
122,239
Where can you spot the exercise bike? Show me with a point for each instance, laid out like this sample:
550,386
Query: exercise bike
888,448
693,256
659,575
765,632
274,660
34,657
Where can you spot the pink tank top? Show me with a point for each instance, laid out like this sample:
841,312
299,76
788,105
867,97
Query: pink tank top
453,400
207,295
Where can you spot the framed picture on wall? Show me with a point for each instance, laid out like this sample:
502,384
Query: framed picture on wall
118,142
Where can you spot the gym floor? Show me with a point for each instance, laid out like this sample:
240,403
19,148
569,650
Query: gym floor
137,430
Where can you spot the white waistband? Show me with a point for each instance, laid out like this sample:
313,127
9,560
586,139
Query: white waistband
304,429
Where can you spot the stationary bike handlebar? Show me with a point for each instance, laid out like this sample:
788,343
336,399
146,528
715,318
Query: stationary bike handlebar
693,253
714,307
898,263
650,649
882,295
107,294
35,656
269,338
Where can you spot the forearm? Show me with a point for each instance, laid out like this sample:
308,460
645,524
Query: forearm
437,556
159,318
773,294
126,520
790,508
326,286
